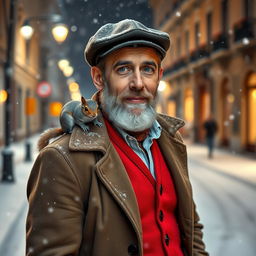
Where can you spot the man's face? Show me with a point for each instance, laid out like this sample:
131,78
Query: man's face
130,81
132,75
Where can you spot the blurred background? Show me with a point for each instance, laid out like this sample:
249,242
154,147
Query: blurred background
209,70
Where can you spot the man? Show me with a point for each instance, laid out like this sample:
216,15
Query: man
211,127
123,188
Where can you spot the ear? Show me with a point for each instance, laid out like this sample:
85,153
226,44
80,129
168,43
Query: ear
83,100
97,77
161,71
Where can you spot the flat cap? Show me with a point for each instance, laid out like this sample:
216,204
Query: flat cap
113,36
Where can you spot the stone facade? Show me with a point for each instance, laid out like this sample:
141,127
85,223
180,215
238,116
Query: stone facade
211,67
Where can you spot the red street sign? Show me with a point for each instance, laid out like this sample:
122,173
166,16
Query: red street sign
44,89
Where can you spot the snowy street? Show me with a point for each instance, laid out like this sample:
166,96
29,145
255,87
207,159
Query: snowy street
223,191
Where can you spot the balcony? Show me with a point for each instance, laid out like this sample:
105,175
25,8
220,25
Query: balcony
202,52
220,42
179,64
243,29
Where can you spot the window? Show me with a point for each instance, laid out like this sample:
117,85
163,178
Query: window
187,42
251,89
209,28
197,34
225,24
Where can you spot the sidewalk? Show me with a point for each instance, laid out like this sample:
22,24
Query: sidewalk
13,196
230,164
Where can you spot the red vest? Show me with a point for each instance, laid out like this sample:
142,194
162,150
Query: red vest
156,198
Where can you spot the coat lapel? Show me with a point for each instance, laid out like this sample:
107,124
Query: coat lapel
175,154
109,169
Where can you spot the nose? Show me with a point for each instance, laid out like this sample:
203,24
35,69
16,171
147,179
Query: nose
137,81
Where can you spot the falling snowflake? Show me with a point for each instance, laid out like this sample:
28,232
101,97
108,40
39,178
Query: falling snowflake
95,21
178,14
246,41
30,249
73,28
50,210
45,241
77,198
231,117
226,123
45,181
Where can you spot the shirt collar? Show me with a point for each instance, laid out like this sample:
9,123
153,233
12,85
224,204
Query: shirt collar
154,132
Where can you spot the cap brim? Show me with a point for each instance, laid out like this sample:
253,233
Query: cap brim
133,43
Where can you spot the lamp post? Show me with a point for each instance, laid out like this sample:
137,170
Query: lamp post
59,30
7,172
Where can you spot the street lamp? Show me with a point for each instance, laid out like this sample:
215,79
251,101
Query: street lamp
7,171
59,30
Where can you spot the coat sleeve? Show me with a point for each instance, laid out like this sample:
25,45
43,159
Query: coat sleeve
198,244
55,215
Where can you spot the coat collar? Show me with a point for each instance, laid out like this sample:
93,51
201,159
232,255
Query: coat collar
97,138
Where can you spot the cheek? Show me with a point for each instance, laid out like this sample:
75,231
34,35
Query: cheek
117,87
152,86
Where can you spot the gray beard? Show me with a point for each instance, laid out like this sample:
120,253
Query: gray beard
122,115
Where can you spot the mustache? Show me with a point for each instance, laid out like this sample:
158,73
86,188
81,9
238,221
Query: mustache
143,94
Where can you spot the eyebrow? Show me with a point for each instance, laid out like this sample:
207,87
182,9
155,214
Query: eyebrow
124,62
151,63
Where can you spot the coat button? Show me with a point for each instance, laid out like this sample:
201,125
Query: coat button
133,249
161,215
167,239
161,189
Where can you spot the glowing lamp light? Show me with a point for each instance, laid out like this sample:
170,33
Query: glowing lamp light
254,94
162,86
63,63
55,108
60,32
26,31
230,98
73,87
76,96
3,96
68,71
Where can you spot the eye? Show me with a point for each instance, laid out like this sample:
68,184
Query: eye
85,108
148,69
123,70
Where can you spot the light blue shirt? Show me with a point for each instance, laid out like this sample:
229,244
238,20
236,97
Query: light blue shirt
146,156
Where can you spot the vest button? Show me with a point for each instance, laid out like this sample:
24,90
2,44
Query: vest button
167,239
161,189
161,215
133,249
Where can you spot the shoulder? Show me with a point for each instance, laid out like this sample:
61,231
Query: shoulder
171,125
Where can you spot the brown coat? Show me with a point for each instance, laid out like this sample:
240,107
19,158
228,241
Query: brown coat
81,201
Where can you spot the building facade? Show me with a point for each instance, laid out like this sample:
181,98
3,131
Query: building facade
211,67
33,61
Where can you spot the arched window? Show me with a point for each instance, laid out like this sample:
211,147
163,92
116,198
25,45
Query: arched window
189,106
251,109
